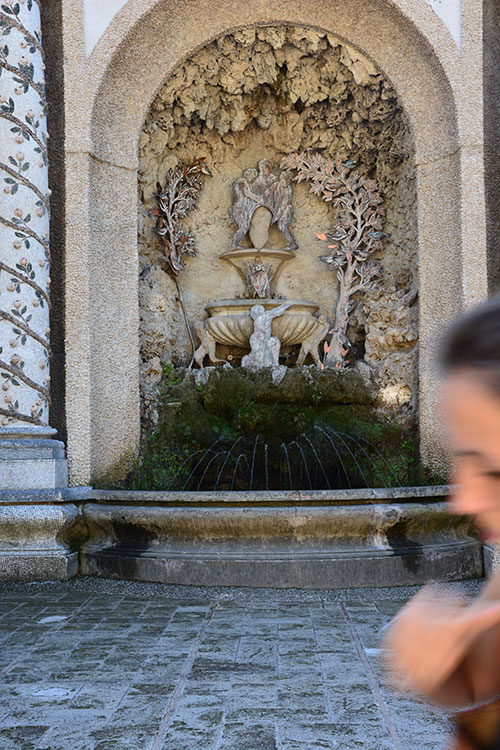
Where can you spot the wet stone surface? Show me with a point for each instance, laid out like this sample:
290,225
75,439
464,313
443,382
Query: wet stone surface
102,665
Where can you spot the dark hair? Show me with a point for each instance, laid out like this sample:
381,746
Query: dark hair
473,342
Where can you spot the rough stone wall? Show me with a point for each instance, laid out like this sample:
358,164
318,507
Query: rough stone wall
491,81
265,93
53,45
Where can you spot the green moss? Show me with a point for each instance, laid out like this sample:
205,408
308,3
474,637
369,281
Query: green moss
170,375
160,465
305,433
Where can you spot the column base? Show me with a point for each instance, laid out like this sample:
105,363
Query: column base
40,527
39,541
33,565
31,459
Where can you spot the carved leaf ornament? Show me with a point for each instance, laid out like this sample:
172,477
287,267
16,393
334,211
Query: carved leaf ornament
175,201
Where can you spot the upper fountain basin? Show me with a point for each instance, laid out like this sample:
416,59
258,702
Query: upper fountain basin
241,258
230,322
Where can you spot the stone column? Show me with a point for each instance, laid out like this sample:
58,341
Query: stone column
24,219
32,464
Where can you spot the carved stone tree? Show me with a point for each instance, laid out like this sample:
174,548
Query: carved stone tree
175,200
356,235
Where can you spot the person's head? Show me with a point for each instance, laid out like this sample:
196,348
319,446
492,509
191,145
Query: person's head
257,310
471,362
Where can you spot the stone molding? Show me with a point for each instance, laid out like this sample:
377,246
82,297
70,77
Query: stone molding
32,546
318,539
282,545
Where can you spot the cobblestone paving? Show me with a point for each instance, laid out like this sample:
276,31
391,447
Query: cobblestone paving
96,665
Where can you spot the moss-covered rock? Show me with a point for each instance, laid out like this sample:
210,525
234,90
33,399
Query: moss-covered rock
240,430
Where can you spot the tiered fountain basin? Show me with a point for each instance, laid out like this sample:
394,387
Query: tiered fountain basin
241,258
230,322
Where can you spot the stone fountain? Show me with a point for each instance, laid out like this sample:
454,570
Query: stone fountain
261,199
221,515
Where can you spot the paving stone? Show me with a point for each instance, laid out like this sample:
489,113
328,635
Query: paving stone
22,737
248,735
102,665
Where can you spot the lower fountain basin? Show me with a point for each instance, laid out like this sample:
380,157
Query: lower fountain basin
304,539
230,322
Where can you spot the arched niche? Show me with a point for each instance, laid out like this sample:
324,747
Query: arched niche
103,418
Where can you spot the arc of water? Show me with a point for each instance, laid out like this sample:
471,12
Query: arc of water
192,455
381,455
253,461
354,457
242,455
226,460
365,452
294,442
219,453
317,459
176,474
199,462
265,465
329,438
285,450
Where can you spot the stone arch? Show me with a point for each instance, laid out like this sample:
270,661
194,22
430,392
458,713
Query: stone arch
135,55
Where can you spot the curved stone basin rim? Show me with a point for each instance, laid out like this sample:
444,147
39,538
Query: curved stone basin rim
230,322
327,539
362,496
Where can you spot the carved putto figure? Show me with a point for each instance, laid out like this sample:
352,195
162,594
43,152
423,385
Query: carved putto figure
310,345
263,188
207,345
259,280
264,347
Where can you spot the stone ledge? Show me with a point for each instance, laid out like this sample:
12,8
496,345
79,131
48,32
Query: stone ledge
281,546
275,497
44,496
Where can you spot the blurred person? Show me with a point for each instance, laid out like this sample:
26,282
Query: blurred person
440,646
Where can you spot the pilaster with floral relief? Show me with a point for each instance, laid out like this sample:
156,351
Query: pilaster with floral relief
24,218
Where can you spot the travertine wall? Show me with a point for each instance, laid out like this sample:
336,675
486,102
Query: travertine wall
107,97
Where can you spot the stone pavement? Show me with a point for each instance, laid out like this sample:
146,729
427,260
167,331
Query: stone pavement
96,665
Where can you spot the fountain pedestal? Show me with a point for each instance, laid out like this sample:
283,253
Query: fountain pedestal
261,199
242,259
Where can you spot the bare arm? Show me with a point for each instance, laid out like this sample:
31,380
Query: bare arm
477,676
446,650
277,311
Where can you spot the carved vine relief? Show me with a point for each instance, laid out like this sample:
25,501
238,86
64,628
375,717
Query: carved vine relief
24,223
